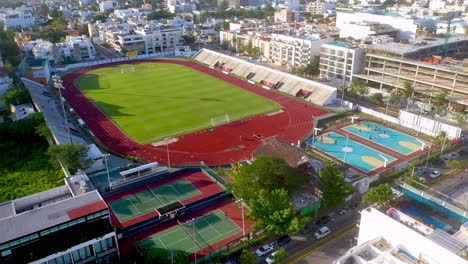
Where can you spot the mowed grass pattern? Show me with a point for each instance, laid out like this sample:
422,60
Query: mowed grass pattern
151,101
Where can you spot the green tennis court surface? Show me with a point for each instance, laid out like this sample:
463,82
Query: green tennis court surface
151,199
209,229
152,101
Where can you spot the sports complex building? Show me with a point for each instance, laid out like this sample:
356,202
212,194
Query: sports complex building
188,115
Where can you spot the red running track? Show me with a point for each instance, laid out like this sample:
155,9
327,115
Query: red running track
229,143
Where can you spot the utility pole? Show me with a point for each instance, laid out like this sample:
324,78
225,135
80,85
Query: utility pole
58,83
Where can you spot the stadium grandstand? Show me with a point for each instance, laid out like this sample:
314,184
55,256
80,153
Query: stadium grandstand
314,92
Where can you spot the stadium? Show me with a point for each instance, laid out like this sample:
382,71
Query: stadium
180,112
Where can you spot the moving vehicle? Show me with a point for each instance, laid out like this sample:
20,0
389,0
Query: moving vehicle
322,232
283,240
263,250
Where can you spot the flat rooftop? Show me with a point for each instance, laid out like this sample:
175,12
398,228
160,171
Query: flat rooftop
46,209
416,44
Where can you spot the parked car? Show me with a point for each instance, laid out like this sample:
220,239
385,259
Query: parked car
434,174
322,232
310,227
420,171
323,220
283,240
446,158
263,250
454,155
271,258
422,179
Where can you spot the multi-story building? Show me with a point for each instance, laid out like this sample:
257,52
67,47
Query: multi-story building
5,79
419,62
320,7
67,224
177,6
149,38
14,18
339,59
393,237
293,51
406,26
37,70
234,3
107,5
131,12
73,49
284,15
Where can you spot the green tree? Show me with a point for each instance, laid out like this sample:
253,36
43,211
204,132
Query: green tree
395,100
281,255
55,13
43,130
188,40
235,168
440,137
457,164
72,156
16,94
160,14
267,173
99,17
381,194
408,90
333,186
377,98
358,88
313,68
460,118
247,257
440,98
273,211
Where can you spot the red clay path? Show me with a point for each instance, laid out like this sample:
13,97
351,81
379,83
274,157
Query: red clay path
229,143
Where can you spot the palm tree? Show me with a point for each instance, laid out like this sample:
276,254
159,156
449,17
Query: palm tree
408,92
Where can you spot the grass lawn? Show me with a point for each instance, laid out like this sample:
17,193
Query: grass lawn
152,101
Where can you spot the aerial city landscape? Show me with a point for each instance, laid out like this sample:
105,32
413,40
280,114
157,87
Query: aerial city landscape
234,131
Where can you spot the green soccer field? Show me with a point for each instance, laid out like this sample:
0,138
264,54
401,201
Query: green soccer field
152,101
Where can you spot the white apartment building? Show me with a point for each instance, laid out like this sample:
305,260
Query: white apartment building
5,79
73,49
146,39
106,5
293,51
339,59
176,6
394,237
320,7
13,18
131,12
351,23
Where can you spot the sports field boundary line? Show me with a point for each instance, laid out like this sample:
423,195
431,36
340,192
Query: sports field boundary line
134,206
219,234
112,209
383,146
155,195
180,195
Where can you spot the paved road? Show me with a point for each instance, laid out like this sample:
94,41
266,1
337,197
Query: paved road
330,251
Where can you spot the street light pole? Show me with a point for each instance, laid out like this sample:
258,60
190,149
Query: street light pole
194,238
58,84
167,150
105,157
241,201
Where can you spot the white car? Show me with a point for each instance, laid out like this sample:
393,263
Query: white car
263,250
271,258
322,232
422,179
434,174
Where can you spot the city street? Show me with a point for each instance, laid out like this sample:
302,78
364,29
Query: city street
105,52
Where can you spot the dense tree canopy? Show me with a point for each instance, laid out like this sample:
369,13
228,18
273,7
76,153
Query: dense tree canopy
380,195
273,211
267,173
72,156
24,167
160,14
333,186
16,94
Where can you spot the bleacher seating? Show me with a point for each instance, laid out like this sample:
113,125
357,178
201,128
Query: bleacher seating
284,82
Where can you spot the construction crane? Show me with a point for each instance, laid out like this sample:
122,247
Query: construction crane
447,36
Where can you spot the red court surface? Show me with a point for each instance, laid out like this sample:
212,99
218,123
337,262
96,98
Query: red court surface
198,179
228,143
228,206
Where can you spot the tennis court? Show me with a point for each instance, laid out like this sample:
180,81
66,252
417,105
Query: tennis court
151,199
209,229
